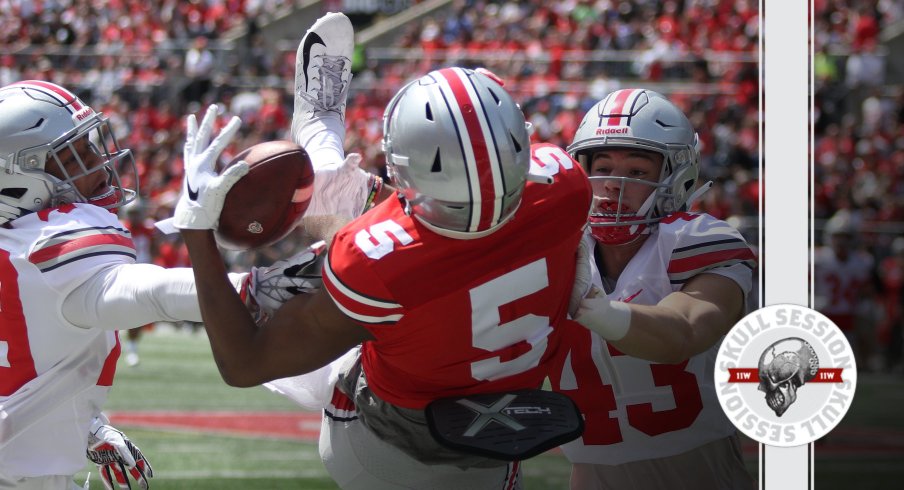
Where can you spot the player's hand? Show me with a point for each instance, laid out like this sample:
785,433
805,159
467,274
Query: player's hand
610,319
267,288
344,190
203,190
116,457
583,277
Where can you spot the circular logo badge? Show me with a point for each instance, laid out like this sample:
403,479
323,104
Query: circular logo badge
785,375
255,227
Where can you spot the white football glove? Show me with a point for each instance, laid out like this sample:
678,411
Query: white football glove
610,319
204,191
583,276
116,457
267,288
345,190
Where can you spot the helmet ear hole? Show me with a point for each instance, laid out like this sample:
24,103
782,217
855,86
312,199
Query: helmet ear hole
515,143
681,188
14,192
437,166
495,97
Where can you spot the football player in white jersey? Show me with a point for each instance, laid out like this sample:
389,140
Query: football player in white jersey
68,281
64,285
665,285
841,272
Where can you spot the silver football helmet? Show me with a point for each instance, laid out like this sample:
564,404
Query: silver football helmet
458,150
38,121
639,118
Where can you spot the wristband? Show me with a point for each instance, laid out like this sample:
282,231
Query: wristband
618,322
376,185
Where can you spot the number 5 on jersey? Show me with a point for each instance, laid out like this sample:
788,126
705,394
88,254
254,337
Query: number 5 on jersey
487,333
375,241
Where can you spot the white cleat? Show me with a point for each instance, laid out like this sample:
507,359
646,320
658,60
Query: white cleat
323,70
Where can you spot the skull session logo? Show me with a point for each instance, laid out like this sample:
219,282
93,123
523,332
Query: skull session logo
781,374
785,375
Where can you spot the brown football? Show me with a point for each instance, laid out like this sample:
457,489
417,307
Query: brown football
267,202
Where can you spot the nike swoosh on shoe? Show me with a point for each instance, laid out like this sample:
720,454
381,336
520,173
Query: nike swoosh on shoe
309,41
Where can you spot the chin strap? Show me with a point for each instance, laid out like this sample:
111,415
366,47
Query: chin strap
540,179
697,194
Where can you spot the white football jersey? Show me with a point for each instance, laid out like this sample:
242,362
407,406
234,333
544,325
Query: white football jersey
635,409
54,376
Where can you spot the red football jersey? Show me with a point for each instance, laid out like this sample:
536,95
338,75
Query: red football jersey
462,316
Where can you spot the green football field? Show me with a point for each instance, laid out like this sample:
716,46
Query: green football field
177,374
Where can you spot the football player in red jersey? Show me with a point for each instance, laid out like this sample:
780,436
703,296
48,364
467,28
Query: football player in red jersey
455,288
667,284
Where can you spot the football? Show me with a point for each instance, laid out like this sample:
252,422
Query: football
267,202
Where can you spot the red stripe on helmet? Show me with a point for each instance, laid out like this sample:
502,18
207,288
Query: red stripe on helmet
469,113
64,94
617,110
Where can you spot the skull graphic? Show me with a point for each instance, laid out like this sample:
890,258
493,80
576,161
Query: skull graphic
784,367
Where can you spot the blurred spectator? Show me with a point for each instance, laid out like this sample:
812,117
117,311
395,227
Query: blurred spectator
859,152
842,272
865,67
199,64
891,273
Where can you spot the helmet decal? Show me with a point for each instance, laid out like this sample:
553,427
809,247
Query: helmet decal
617,109
65,98
480,152
61,95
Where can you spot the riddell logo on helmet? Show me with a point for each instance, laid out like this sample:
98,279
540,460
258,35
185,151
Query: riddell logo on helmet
785,375
603,131
82,114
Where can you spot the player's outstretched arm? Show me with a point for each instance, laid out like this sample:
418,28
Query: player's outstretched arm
307,332
683,324
125,296
308,335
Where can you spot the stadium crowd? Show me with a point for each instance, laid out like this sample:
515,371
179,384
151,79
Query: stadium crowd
858,154
146,64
